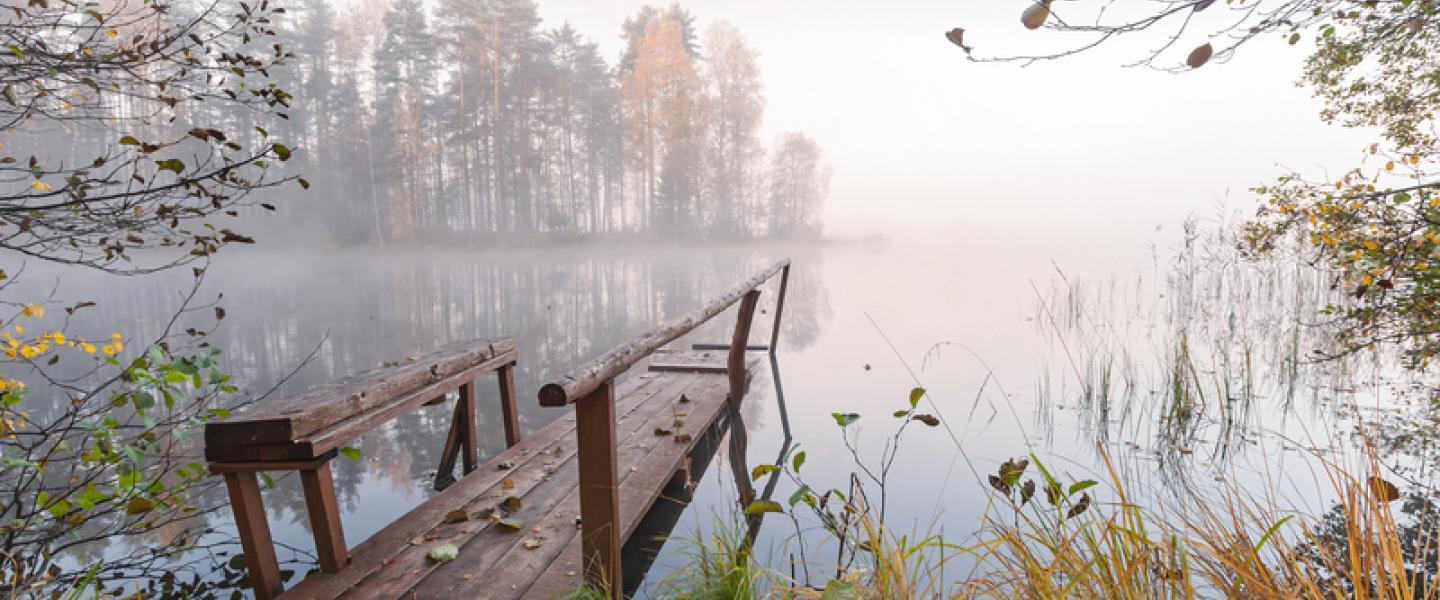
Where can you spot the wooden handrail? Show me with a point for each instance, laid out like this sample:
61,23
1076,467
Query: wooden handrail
588,377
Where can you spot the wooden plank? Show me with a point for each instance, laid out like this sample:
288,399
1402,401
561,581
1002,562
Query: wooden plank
324,513
254,529
509,412
539,491
748,348
285,419
220,468
529,457
587,377
346,430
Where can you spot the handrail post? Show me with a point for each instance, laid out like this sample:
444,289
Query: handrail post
779,307
735,361
508,411
599,489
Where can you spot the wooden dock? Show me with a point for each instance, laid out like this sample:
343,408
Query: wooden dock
550,512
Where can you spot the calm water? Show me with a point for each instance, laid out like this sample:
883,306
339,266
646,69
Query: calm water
1020,355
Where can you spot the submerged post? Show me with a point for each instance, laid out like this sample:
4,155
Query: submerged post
779,307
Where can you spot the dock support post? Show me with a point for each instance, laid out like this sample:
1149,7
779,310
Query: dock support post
779,307
599,490
254,531
735,362
462,437
324,514
511,414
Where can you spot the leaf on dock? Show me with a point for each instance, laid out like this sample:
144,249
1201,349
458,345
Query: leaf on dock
456,516
443,553
661,431
511,504
510,524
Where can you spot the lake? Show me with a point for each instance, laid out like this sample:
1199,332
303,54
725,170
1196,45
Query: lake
1033,350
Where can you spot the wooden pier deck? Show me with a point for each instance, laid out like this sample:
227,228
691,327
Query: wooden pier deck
535,521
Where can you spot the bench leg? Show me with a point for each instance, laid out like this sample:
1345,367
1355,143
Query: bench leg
324,518
506,375
599,489
461,436
254,531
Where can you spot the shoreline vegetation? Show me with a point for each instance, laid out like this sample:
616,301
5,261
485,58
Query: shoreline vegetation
1236,346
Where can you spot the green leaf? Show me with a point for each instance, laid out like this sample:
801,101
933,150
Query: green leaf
798,460
282,151
171,164
510,524
799,495
1080,486
915,396
760,507
443,553
129,140
139,506
267,480
350,453
762,470
845,419
839,589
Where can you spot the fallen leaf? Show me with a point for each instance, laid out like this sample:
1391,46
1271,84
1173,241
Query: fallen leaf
443,553
508,484
456,516
511,504
684,399
504,465
662,431
531,544
683,438
510,524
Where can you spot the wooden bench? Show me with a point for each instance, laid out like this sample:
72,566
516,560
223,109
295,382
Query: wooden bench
304,433
549,512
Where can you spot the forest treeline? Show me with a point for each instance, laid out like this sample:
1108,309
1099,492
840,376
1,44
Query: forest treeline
473,118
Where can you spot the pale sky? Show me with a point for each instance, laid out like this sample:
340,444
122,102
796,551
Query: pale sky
920,137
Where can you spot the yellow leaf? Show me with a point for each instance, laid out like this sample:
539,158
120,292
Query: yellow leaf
1371,245
1366,280
1390,166
33,310
112,34
40,186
